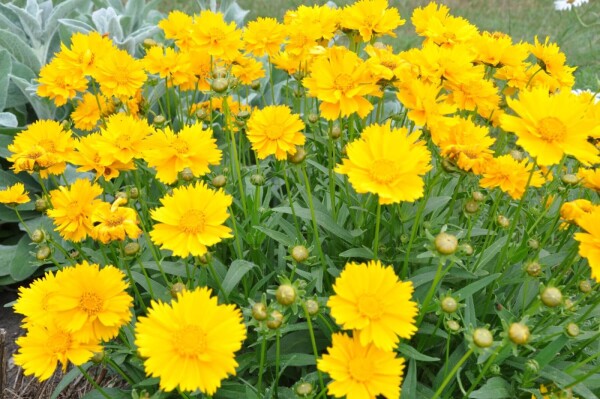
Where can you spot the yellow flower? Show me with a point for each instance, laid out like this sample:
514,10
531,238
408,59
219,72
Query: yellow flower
371,18
45,345
552,392
361,371
59,83
247,69
369,298
72,208
193,147
590,178
14,195
382,61
168,63
191,219
114,223
435,24
264,36
211,34
43,147
85,50
90,157
119,74
186,351
510,175
387,162
33,300
424,102
549,126
92,301
573,210
89,110
497,49
274,130
552,61
589,242
178,26
122,139
464,142
340,79
316,23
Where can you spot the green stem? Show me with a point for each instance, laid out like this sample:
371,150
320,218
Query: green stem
261,364
484,370
213,272
93,382
377,225
277,353
314,221
289,194
314,343
452,373
438,276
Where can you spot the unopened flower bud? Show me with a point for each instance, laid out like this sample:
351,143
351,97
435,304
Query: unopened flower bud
219,85
43,252
134,193
335,132
38,236
482,337
41,205
312,307
202,114
177,289
534,269
313,118
275,319
159,120
446,244
259,311
298,157
187,174
517,155
449,304
569,179
452,325
257,180
219,181
467,249
98,357
74,254
149,43
519,333
585,286
572,329
285,294
304,389
569,305
205,259
533,243
131,249
503,221
300,253
495,369
243,115
471,206
532,366
255,85
551,297
478,196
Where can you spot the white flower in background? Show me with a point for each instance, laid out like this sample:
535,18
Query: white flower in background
562,5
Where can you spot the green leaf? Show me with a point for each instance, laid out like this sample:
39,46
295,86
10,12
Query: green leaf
492,251
435,203
547,354
20,265
112,393
562,379
364,252
412,353
409,388
324,220
277,236
5,70
495,387
476,286
236,271
67,379
8,120
7,253
20,50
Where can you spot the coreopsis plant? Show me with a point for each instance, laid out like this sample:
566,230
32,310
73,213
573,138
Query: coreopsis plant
295,208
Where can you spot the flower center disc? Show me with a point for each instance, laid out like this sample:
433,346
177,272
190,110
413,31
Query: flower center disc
180,146
190,341
360,369
90,303
343,82
383,171
59,342
552,129
274,132
193,221
370,307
